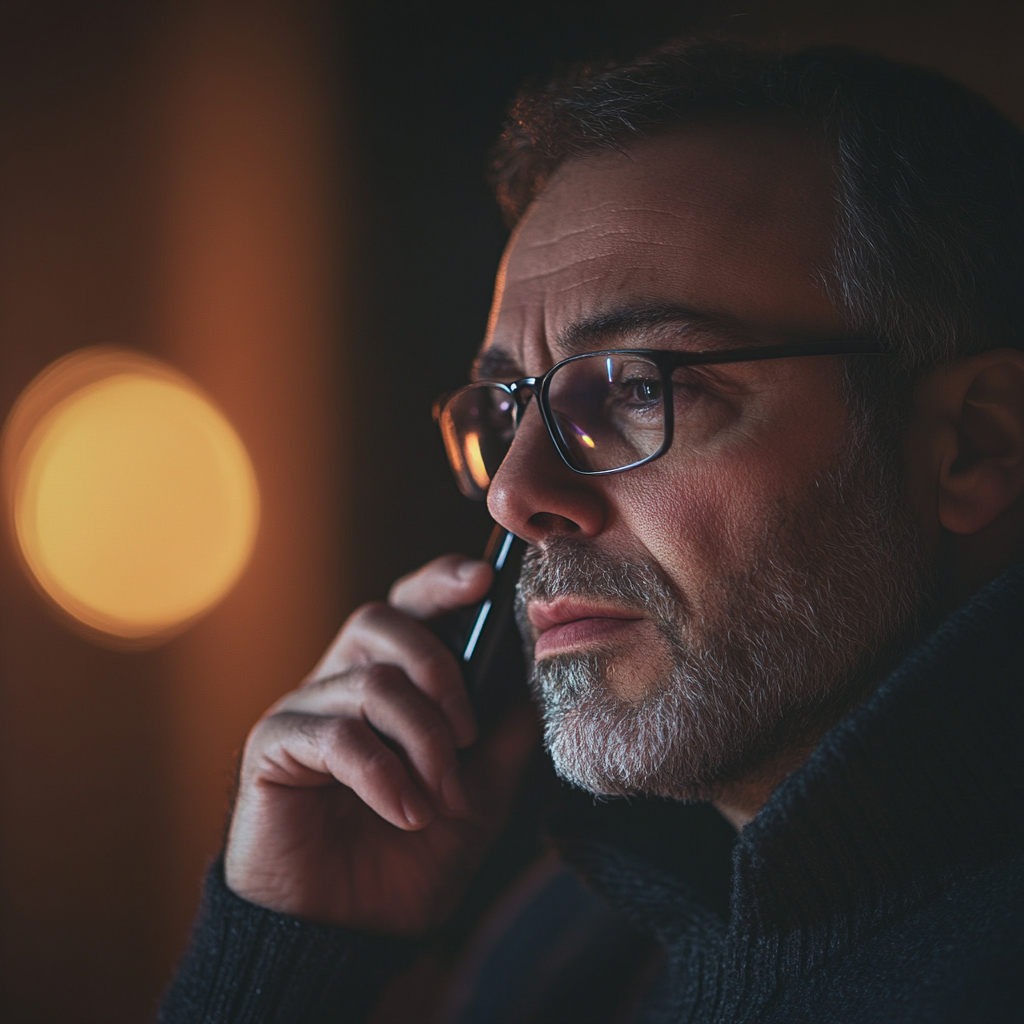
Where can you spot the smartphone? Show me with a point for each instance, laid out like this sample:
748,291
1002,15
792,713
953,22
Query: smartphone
484,637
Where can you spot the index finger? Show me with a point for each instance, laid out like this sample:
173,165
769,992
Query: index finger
442,585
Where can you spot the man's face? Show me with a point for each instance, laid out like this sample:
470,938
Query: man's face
683,586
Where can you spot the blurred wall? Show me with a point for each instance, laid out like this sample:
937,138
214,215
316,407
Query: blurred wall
284,198
169,182
248,300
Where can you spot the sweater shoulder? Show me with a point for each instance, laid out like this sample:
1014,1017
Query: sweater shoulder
956,956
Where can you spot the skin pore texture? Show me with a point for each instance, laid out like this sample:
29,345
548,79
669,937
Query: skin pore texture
729,601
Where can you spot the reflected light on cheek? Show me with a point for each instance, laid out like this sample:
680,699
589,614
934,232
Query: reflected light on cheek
132,499
475,461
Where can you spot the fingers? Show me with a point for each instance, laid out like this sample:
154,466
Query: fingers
390,633
383,697
391,714
386,708
448,582
378,633
294,749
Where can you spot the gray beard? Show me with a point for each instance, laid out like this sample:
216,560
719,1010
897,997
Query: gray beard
829,596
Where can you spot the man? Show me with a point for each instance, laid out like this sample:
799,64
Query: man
766,444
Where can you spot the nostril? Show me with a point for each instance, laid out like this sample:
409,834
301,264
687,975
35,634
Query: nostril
552,523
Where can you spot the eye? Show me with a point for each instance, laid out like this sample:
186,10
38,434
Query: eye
641,391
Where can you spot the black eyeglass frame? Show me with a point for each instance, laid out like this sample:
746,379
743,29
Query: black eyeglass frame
666,360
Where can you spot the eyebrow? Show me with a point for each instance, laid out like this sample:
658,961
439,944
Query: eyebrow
608,330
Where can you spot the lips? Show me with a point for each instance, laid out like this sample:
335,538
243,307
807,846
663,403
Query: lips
571,623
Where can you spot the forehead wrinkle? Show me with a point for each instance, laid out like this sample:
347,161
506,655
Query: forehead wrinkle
572,257
605,219
543,275
582,261
643,230
627,245
567,235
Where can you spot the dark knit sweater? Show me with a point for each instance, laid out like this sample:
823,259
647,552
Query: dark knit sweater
882,882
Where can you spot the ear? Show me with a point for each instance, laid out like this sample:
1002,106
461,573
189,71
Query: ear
973,416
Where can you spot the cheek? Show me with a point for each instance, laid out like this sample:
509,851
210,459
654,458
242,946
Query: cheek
699,525
701,519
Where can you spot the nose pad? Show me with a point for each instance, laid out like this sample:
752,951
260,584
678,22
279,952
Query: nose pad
530,430
522,393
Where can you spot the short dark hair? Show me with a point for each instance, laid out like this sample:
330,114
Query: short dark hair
929,253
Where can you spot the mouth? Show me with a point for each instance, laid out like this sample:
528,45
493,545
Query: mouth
570,624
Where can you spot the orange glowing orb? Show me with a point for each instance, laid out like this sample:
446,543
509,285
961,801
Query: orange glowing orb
132,498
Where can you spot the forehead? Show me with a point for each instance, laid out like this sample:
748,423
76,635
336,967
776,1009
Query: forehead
733,221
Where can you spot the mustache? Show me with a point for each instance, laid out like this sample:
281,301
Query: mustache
566,567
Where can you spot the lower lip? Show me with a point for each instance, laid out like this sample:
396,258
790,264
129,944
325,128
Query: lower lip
581,633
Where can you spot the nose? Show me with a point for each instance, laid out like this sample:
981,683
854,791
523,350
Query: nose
535,494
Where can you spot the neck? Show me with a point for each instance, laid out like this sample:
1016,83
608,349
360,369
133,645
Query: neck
968,562
739,802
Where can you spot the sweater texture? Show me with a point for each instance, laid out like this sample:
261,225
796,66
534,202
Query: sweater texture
882,882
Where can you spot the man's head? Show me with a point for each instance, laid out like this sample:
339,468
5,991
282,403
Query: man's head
710,613
928,251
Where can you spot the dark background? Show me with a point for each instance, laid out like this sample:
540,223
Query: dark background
286,200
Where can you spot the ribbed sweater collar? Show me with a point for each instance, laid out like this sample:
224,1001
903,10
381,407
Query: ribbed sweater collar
922,782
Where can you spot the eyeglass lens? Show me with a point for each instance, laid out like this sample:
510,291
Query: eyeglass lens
478,425
607,410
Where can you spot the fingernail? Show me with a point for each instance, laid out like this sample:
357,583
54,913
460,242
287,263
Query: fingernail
469,570
453,792
417,811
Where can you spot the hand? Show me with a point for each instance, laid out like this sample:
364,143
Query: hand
353,807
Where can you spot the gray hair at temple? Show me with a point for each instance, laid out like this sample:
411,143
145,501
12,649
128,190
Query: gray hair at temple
929,252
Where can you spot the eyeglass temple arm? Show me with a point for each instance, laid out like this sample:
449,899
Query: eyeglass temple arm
853,346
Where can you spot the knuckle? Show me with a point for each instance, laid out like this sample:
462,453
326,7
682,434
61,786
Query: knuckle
255,744
401,585
369,616
417,587
377,766
339,680
378,679
267,731
286,729
436,661
345,732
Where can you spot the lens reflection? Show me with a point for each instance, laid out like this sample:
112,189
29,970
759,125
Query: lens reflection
478,425
608,410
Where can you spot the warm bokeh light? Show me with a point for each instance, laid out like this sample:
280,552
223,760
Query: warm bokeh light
132,498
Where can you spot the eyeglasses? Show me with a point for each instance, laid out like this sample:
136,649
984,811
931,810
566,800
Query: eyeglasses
606,412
